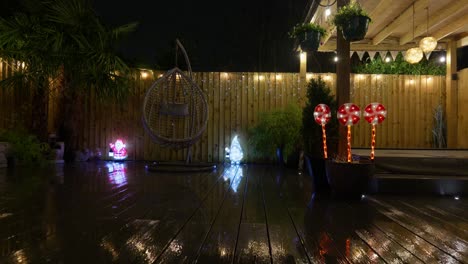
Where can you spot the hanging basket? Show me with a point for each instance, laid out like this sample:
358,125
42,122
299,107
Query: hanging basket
355,29
310,41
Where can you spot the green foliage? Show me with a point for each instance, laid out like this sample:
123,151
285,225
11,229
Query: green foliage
318,93
400,66
25,148
276,129
345,13
64,37
299,30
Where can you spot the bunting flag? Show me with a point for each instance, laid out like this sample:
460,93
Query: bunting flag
351,54
360,54
428,54
371,54
394,54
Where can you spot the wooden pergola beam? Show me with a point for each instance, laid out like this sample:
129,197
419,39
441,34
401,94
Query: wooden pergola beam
400,21
451,27
356,46
444,15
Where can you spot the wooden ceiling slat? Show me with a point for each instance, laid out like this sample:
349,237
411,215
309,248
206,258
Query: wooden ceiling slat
441,16
459,22
400,21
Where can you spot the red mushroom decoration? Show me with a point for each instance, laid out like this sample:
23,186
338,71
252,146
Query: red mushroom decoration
374,114
349,114
322,116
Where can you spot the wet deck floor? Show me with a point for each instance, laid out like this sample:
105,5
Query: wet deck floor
118,212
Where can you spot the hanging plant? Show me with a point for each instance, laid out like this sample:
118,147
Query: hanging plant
352,21
308,35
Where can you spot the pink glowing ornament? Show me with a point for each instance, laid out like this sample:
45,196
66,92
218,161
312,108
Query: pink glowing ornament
118,150
322,116
374,113
349,114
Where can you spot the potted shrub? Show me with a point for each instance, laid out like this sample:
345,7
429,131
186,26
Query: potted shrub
276,133
348,177
318,92
308,35
24,148
352,21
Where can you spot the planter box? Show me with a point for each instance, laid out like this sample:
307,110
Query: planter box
349,180
3,154
4,148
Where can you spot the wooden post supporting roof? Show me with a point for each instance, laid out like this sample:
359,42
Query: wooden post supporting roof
452,94
303,66
343,69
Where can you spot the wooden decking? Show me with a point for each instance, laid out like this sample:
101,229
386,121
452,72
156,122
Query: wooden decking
98,213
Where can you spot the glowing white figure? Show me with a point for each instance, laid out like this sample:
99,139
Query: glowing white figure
235,153
234,174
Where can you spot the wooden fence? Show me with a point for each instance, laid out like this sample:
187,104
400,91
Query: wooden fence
462,135
236,99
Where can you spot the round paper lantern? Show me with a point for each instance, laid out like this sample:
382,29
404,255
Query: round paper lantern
375,113
322,114
349,114
428,44
414,55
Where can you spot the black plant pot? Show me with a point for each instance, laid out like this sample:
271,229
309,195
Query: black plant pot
311,41
316,169
349,180
280,156
356,28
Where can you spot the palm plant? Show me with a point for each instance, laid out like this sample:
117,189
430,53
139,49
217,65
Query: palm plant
63,41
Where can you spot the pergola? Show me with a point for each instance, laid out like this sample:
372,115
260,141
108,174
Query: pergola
398,25
392,23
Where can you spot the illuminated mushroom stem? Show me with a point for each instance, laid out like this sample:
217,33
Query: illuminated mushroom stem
324,139
349,143
372,154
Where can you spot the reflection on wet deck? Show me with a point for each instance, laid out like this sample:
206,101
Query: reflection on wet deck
119,212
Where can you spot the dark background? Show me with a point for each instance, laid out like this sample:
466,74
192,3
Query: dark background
244,35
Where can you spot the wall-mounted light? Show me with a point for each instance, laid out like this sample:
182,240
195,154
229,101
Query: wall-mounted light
387,59
303,56
144,74
327,12
442,59
335,59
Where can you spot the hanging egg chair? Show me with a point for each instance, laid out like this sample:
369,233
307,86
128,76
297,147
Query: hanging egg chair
175,110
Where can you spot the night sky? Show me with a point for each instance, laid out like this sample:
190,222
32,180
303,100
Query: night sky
219,36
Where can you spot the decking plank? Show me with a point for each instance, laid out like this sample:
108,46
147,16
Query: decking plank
253,244
430,232
219,246
285,242
190,239
412,242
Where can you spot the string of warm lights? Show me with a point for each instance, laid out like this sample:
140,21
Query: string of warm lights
324,139
373,143
348,137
